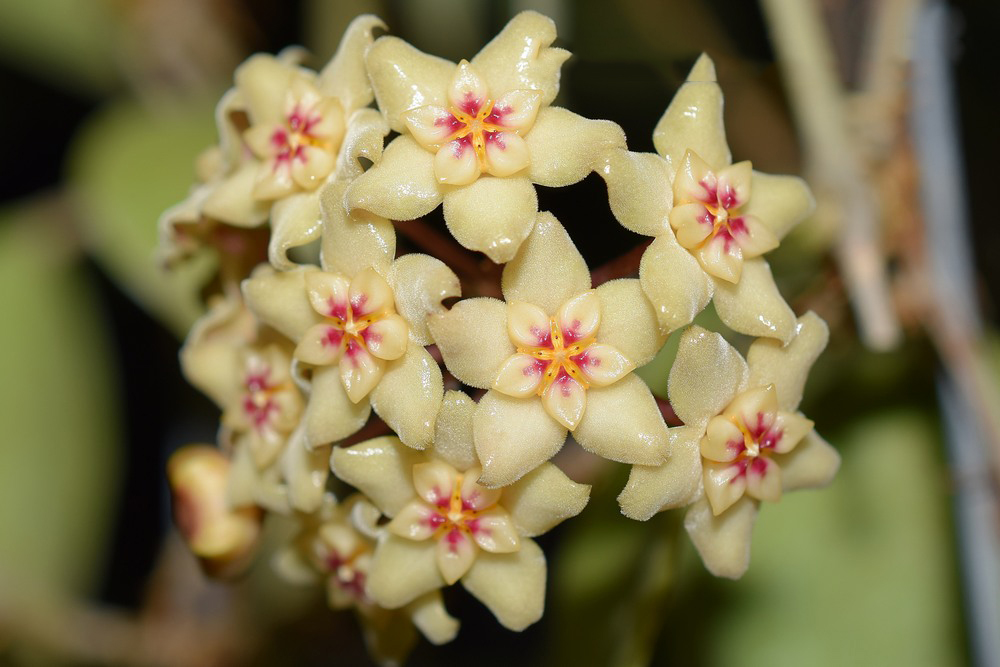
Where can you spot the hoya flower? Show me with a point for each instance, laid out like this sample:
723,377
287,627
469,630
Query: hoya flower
476,135
285,131
743,442
334,547
446,527
359,325
713,220
223,538
556,357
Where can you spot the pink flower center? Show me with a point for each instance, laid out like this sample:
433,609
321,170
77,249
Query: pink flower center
561,355
290,141
721,211
453,516
476,122
760,437
259,403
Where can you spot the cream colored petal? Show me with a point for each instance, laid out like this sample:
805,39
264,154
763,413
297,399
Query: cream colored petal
345,76
694,120
291,567
528,325
467,90
456,163
513,436
431,126
473,340
549,270
259,139
453,438
429,615
330,415
279,299
414,522
544,498
651,489
249,485
210,357
629,321
753,404
565,400
404,78
492,215
623,423
366,130
754,238
764,480
421,283
603,364
793,427
723,542
370,293
494,532
723,440
417,377
474,496
695,180
265,445
401,186
231,147
521,57
232,201
352,244
565,147
263,81
707,373
360,372
381,468
787,367
692,223
402,571
512,585
754,306
580,316
721,259
313,167
724,484
506,153
295,221
638,190
455,554
734,184
779,202
328,293
520,376
305,470
812,464
516,110
273,180
387,337
675,283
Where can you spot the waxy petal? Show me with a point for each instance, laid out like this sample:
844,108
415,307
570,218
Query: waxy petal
723,541
694,120
231,200
305,470
473,340
417,376
734,185
351,244
262,81
754,306
310,170
544,498
754,238
724,485
494,532
764,480
279,299
421,283
675,283
345,76
787,367
506,153
273,180
405,78
692,223
467,91
453,437
721,258
401,186
360,372
603,365
456,163
793,428
629,321
580,317
362,146
758,403
704,354
330,415
434,482
429,615
401,571
431,126
321,345
328,293
295,222
812,464
638,190
455,555
520,376
492,215
549,270
516,110
387,337
381,468
695,181
723,440
566,147
513,436
651,489
623,423
474,496
511,585
779,202
528,325
370,294
565,400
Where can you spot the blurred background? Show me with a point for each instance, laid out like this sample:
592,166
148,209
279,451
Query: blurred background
887,107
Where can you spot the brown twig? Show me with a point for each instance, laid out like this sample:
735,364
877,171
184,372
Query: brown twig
622,266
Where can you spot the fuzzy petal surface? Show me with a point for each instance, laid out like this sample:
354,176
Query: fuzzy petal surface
432,619
279,299
353,244
295,221
549,270
779,202
405,78
232,201
409,396
330,414
305,468
401,571
453,437
513,436
812,464
623,423
345,76
381,468
707,373
639,190
787,367
629,321
421,283
651,489
723,541
511,585
675,283
754,306
693,121
365,138
492,215
565,147
544,498
473,339
401,186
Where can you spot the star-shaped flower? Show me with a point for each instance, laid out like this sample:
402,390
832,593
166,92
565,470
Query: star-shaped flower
742,441
446,527
712,219
557,356
476,135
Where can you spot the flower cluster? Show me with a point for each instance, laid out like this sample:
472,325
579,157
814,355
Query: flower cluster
332,355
